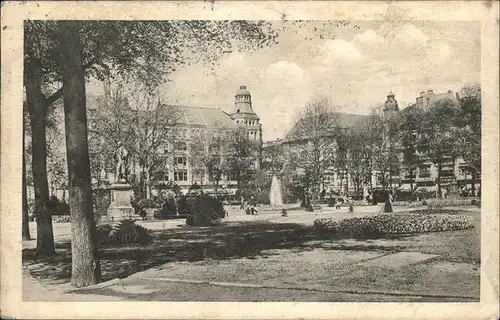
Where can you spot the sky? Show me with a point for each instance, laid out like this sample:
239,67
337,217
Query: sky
355,69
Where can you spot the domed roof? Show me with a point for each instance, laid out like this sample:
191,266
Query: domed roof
390,94
242,91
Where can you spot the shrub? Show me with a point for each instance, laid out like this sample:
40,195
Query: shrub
205,211
146,203
195,190
183,208
169,208
102,232
389,224
125,232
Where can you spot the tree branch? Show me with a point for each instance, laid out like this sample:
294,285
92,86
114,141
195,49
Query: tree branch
54,97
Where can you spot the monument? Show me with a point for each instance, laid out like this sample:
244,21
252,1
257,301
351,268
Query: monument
121,192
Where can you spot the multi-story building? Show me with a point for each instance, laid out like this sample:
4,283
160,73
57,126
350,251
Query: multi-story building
455,173
196,125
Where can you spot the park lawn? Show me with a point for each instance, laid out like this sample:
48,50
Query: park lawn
290,255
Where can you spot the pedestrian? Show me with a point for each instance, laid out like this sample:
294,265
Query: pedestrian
388,203
242,203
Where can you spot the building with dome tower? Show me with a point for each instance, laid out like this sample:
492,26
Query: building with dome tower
244,115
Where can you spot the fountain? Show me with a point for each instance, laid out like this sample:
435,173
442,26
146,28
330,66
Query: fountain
275,197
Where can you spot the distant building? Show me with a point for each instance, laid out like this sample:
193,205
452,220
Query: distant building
455,173
426,98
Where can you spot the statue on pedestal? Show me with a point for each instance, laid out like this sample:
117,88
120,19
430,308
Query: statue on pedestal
121,160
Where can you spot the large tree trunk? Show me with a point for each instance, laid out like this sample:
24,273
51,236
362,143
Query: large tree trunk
25,223
37,109
85,263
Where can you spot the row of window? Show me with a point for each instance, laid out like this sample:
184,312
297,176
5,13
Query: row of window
247,122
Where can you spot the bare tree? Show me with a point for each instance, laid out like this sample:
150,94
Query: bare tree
315,140
209,153
358,155
154,129
384,154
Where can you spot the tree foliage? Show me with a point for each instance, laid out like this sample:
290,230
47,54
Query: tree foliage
469,127
409,130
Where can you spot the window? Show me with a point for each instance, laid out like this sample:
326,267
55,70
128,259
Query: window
181,161
180,175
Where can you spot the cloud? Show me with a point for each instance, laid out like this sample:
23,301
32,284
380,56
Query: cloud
368,38
283,87
339,50
410,36
439,52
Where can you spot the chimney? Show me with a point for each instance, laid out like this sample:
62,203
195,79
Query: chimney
457,95
422,93
430,91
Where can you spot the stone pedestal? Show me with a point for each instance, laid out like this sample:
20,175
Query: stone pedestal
120,207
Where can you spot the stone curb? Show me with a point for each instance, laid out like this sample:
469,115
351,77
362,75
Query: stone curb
259,286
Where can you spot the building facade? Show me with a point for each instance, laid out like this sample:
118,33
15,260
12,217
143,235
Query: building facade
196,125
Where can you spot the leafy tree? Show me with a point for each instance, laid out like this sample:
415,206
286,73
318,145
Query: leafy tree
86,268
410,129
469,129
438,137
314,138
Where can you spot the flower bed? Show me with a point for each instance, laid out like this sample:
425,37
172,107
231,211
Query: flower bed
440,203
391,224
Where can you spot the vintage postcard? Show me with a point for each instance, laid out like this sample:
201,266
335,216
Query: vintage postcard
250,159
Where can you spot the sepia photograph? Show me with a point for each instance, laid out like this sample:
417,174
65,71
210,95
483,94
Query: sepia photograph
253,160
